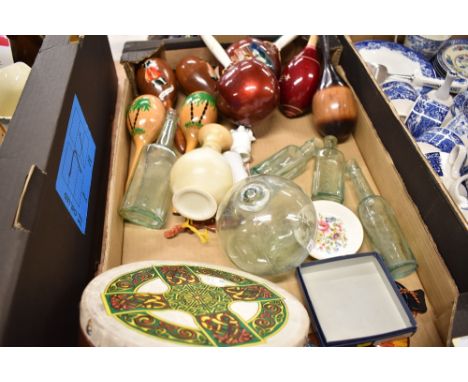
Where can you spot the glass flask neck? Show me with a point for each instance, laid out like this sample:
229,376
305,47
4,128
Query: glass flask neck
166,137
254,197
309,149
361,187
329,75
330,142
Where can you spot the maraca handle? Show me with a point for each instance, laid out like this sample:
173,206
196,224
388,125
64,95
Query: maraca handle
284,40
133,164
218,51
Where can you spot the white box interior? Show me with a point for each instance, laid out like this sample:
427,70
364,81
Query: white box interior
353,299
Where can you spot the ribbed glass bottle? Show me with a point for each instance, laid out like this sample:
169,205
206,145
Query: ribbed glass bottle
381,225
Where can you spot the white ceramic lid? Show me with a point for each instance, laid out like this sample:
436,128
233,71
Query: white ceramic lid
339,231
170,303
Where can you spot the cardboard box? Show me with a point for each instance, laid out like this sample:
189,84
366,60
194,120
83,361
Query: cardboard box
49,250
442,217
124,243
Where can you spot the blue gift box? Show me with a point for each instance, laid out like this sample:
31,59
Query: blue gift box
353,300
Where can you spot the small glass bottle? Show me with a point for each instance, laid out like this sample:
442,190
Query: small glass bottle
289,162
333,106
381,225
328,180
148,197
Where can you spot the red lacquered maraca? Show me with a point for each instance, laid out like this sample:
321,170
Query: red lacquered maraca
247,91
266,52
299,81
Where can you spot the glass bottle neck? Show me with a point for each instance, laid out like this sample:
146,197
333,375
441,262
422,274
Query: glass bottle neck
329,75
166,137
361,187
308,149
329,142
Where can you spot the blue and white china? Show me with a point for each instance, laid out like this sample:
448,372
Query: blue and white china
453,57
397,58
442,95
459,126
427,45
400,60
426,114
401,94
456,180
438,140
399,90
447,156
460,102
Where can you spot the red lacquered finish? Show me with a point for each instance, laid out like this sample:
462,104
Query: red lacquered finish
248,92
251,48
299,81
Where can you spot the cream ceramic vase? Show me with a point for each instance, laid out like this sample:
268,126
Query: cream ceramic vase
200,178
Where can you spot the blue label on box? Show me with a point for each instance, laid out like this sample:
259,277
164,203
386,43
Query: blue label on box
76,166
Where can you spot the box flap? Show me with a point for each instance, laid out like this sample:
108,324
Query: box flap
44,269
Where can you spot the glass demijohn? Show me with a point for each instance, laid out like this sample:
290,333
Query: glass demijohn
266,224
148,197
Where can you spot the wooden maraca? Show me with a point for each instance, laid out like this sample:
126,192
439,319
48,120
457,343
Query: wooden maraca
156,77
199,109
145,119
195,74
334,107
299,81
247,91
268,53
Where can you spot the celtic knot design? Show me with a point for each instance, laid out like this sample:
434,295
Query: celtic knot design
210,306
199,299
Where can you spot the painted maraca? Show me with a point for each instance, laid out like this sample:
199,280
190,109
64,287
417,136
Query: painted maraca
156,77
248,90
145,119
299,81
334,107
199,109
268,53
195,74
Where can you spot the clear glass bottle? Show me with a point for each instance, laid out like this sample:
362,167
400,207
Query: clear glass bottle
289,162
148,197
381,225
328,180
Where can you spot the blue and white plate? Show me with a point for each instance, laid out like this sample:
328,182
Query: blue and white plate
453,57
397,58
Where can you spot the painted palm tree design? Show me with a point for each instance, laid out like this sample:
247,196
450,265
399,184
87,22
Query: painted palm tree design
140,104
196,100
